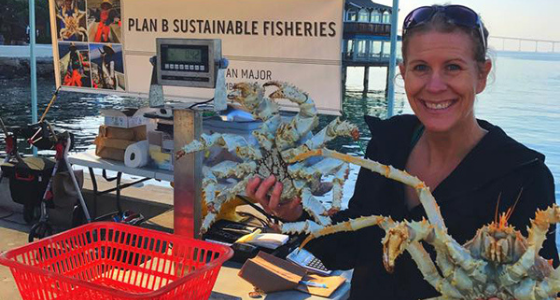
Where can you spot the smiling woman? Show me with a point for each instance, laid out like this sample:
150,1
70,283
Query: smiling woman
469,164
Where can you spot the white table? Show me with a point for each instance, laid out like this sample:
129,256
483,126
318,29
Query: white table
90,160
228,285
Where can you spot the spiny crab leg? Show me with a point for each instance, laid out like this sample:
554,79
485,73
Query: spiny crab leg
225,169
325,166
267,133
426,198
335,129
223,197
314,230
338,184
302,123
315,209
541,223
231,142
292,93
430,272
251,96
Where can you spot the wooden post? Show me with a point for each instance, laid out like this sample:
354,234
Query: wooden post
344,75
387,82
366,80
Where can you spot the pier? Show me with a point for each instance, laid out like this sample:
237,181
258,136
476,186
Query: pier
367,37
502,43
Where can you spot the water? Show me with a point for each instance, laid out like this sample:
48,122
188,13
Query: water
522,99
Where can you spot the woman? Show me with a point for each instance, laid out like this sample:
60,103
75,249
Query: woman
468,163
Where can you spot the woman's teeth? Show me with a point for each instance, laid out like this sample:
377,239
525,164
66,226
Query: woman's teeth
439,105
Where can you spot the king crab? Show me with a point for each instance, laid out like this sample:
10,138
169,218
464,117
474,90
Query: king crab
72,26
498,262
278,142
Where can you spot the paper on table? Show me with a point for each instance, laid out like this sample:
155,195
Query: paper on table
269,240
332,283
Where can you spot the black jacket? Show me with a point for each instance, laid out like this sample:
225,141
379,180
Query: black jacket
467,198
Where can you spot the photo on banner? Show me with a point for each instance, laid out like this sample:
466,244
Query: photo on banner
71,20
107,70
104,21
74,64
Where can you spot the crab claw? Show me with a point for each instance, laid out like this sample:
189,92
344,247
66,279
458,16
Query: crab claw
288,91
394,244
247,94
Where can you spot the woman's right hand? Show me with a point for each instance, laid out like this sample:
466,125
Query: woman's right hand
259,189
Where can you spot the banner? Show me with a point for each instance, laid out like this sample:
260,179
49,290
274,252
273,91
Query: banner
104,46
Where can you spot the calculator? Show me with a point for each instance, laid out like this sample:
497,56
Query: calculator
305,259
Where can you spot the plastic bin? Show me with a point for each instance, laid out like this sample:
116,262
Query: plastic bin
116,261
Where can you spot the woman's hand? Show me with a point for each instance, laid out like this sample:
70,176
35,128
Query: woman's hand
258,189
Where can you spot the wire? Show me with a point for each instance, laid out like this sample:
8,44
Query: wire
199,103
262,211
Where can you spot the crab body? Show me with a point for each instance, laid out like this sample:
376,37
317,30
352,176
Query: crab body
72,25
279,141
498,262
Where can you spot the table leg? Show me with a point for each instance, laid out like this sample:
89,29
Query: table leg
94,183
119,207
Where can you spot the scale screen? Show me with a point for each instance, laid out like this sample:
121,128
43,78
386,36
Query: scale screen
188,62
184,55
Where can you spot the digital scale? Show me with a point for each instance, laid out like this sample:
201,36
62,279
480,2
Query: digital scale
194,63
188,62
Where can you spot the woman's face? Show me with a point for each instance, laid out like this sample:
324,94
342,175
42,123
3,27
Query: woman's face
442,79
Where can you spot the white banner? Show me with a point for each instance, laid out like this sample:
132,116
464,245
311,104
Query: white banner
105,45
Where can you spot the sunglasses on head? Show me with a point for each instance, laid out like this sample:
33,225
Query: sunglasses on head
457,14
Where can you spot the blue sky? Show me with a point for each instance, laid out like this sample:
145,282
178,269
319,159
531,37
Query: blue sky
511,18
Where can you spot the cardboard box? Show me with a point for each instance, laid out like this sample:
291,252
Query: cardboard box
127,118
270,273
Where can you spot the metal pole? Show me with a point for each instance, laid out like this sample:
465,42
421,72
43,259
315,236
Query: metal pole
33,64
392,59
187,173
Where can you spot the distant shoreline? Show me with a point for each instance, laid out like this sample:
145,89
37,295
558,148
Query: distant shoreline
14,60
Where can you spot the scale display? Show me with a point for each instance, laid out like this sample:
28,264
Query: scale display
188,62
186,55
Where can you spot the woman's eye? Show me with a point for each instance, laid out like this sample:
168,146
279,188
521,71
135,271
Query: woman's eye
453,67
420,68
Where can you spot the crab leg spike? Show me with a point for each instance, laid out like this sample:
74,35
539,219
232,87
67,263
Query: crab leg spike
426,198
541,223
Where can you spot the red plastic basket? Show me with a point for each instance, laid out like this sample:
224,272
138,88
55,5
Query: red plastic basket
116,261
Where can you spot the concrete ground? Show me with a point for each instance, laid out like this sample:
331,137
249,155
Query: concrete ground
150,200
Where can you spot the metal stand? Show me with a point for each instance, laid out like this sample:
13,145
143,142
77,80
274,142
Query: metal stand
187,198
